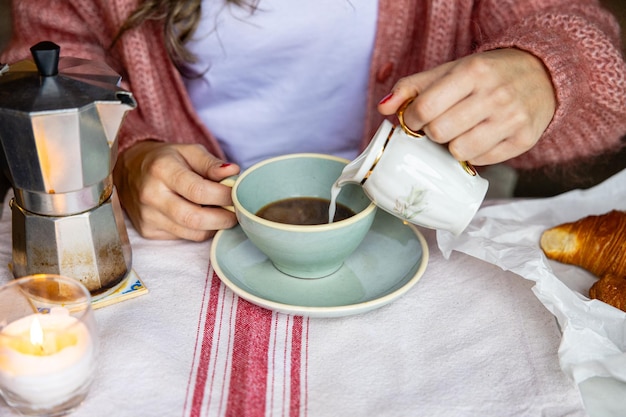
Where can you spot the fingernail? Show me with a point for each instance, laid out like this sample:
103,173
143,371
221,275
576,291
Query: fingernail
225,164
386,98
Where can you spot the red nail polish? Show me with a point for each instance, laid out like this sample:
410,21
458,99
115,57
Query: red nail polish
386,98
225,164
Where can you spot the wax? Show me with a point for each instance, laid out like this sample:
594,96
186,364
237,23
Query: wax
52,371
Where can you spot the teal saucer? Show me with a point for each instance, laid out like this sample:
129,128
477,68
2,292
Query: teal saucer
390,261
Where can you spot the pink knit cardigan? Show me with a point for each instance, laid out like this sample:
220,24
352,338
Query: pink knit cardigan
577,40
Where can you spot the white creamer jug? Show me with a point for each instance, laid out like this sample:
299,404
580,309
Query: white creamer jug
415,179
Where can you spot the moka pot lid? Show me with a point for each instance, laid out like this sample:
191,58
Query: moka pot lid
49,83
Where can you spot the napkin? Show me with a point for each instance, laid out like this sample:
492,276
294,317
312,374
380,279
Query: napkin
593,340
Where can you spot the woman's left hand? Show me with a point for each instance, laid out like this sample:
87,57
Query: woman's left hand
488,107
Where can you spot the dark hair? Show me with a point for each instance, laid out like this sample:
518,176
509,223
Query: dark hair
180,18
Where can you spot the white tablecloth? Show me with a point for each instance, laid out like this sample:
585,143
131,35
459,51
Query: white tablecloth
468,340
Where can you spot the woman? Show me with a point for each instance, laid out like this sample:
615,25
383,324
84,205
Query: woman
224,83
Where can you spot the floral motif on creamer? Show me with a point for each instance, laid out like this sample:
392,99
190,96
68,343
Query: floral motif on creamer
412,204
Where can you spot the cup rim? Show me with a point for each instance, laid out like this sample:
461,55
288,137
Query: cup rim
296,227
80,316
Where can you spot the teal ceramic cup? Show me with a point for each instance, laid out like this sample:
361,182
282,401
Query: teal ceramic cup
302,251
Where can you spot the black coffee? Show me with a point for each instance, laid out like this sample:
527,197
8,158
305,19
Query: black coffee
303,211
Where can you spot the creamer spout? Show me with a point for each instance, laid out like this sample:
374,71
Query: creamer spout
350,173
360,168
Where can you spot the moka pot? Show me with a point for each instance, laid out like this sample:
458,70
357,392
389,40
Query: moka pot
59,119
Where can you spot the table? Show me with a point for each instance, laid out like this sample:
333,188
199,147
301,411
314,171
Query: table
468,340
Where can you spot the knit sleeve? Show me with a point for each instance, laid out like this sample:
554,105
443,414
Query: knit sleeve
62,22
579,44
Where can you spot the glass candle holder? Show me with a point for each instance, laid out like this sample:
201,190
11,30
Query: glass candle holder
48,344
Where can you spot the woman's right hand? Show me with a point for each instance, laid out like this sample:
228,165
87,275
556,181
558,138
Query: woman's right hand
172,191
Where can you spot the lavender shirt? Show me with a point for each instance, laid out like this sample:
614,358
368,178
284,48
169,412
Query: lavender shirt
290,77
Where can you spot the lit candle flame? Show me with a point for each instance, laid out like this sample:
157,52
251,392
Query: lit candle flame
36,333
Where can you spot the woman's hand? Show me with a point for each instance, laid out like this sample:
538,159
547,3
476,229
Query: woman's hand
171,191
488,107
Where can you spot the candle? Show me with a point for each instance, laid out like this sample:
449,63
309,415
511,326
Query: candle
45,359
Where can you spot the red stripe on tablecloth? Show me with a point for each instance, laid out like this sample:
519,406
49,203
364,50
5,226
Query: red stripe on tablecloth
205,351
296,366
198,333
305,372
217,353
248,380
249,373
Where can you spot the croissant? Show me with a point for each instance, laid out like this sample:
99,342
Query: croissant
597,244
